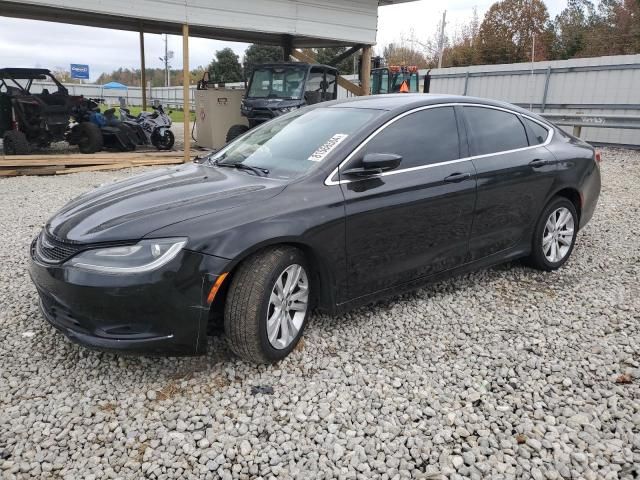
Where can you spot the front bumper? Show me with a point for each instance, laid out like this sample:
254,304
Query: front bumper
161,312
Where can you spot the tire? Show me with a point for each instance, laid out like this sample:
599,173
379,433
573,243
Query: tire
15,142
89,137
165,142
542,256
249,304
235,131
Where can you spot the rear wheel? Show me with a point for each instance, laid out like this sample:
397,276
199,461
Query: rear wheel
164,142
15,142
268,305
89,137
236,131
555,235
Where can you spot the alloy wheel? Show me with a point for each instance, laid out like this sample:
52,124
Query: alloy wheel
288,305
557,237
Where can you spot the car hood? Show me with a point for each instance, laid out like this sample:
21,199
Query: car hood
132,208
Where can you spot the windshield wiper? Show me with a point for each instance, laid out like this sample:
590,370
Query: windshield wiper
261,172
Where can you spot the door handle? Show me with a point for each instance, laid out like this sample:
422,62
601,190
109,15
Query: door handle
457,177
538,163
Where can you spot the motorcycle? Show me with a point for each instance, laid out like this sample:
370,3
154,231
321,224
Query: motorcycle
151,127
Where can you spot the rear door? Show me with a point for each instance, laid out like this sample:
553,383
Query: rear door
515,173
415,220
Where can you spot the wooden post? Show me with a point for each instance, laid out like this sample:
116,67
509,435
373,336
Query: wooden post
186,99
365,70
143,71
577,130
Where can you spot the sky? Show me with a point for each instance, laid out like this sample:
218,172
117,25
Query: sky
29,43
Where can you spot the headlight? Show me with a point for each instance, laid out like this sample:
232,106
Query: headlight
145,256
288,109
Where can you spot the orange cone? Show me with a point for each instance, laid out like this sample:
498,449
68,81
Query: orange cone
404,88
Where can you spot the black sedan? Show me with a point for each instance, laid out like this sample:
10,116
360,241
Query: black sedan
330,206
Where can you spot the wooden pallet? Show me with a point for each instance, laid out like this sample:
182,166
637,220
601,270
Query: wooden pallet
13,165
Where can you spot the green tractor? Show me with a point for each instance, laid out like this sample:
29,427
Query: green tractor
394,79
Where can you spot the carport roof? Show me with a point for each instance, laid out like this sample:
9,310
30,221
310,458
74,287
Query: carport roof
304,23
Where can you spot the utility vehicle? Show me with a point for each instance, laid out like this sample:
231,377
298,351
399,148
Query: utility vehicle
278,88
32,115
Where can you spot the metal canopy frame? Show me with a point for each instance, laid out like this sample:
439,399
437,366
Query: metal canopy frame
64,15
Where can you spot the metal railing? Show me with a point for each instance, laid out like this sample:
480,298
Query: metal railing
579,120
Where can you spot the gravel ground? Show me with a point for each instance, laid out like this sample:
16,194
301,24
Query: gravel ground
504,373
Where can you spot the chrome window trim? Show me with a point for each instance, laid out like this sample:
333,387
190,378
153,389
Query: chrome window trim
329,181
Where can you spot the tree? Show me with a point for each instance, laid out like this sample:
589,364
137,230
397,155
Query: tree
570,29
225,67
256,54
404,54
63,75
508,29
325,55
464,48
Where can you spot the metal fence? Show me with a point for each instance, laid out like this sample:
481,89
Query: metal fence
599,95
171,97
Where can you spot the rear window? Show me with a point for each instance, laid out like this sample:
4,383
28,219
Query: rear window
494,131
539,132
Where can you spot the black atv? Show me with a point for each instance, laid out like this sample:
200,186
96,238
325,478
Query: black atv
116,135
30,119
278,88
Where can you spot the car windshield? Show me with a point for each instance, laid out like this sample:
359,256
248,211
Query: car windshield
291,145
277,83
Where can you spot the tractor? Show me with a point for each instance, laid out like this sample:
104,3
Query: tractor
394,79
279,88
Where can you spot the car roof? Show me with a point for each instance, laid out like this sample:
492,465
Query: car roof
23,72
406,101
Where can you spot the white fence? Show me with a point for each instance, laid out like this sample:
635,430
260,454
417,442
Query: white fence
598,87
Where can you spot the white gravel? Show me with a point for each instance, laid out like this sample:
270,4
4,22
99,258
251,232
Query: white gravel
505,373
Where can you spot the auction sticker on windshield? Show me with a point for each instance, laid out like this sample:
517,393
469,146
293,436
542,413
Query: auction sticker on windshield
326,148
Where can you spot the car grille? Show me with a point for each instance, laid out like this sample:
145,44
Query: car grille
51,250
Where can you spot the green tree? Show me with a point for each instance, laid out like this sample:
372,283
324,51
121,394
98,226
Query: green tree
570,29
257,54
325,55
225,67
508,29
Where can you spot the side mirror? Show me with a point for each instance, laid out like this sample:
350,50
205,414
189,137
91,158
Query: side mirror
375,164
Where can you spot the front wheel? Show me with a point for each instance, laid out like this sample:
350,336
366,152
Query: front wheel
555,235
88,137
15,143
235,131
268,305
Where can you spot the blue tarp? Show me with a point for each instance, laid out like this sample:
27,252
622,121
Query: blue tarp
114,86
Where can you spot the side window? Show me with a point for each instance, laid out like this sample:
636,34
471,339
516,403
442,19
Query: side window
331,83
540,133
313,87
494,131
422,138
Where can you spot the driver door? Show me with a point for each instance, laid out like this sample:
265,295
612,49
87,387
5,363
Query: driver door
415,220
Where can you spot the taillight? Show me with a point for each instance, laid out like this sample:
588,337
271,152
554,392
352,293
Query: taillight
598,157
